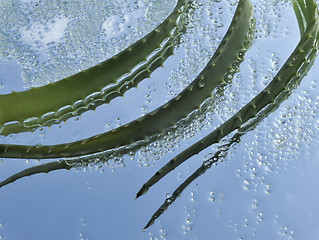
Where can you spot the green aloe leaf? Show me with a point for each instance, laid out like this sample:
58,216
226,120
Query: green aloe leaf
56,102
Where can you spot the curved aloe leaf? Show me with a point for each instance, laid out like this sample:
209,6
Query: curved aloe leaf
298,60
56,102
44,168
229,51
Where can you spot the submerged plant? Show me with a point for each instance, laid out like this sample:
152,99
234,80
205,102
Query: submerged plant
56,102
291,73
234,44
308,19
250,125
229,52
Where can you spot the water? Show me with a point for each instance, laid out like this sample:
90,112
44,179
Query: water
262,189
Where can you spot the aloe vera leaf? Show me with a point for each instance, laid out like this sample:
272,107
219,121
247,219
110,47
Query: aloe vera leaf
223,150
105,96
297,59
44,168
56,102
66,164
156,121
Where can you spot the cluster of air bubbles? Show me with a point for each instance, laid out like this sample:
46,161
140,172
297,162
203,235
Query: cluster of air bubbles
261,72
261,160
159,9
233,225
289,135
245,225
144,152
275,62
165,143
271,71
83,166
151,90
189,221
148,154
160,234
286,232
98,162
174,89
268,14
199,43
214,196
255,211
